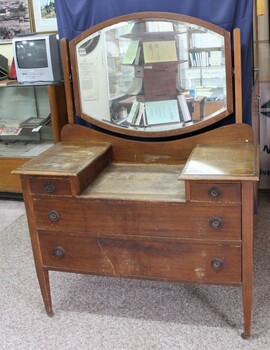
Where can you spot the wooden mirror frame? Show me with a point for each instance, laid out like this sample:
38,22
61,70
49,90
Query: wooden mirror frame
72,86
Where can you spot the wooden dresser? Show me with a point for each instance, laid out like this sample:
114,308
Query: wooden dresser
179,209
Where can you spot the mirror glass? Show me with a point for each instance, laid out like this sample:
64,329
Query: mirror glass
152,75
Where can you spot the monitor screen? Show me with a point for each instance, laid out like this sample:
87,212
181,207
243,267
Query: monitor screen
31,54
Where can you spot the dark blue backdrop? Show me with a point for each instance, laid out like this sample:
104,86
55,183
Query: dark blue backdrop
73,17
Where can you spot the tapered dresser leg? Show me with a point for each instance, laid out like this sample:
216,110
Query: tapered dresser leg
247,308
44,283
247,253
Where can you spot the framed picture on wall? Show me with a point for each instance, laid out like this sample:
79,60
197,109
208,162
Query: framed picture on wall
43,16
14,19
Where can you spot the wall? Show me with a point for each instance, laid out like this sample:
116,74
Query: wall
262,61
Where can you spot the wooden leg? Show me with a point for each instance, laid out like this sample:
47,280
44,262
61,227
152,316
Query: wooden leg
44,283
247,253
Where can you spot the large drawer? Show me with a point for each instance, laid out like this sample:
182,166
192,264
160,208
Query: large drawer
135,218
191,262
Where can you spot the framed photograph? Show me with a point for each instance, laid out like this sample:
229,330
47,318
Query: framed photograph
43,16
14,19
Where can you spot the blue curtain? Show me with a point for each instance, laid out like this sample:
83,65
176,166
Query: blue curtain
74,17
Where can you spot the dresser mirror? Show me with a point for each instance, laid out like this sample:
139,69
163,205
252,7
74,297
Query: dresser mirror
156,75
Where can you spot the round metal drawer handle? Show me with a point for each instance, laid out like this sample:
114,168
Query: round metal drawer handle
216,264
215,222
49,187
54,215
214,193
59,252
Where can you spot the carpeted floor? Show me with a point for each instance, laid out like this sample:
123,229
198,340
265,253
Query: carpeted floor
122,314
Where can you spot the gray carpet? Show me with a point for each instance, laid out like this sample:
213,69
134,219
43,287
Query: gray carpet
109,313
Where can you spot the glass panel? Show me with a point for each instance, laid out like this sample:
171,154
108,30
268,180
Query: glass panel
24,108
152,75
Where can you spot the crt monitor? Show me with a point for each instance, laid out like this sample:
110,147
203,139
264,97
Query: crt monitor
37,58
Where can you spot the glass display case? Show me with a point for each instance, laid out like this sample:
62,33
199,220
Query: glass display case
29,124
25,114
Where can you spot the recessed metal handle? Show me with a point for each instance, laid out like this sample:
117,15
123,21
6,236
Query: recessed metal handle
54,215
49,187
214,193
215,222
59,252
216,264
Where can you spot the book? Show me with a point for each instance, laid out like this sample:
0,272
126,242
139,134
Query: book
9,131
132,52
140,118
33,122
183,106
136,115
133,112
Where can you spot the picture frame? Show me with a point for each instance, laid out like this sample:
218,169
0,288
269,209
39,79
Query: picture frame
14,19
43,16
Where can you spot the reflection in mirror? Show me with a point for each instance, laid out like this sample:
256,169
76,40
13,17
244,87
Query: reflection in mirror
152,75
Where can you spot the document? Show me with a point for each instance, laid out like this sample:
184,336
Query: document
162,112
159,51
89,85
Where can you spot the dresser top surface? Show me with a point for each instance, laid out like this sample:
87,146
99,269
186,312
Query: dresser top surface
233,161
138,181
63,159
222,161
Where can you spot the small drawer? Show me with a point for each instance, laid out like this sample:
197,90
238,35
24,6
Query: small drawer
171,260
49,185
215,192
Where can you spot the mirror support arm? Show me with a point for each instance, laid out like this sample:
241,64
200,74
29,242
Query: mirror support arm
68,80
237,76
